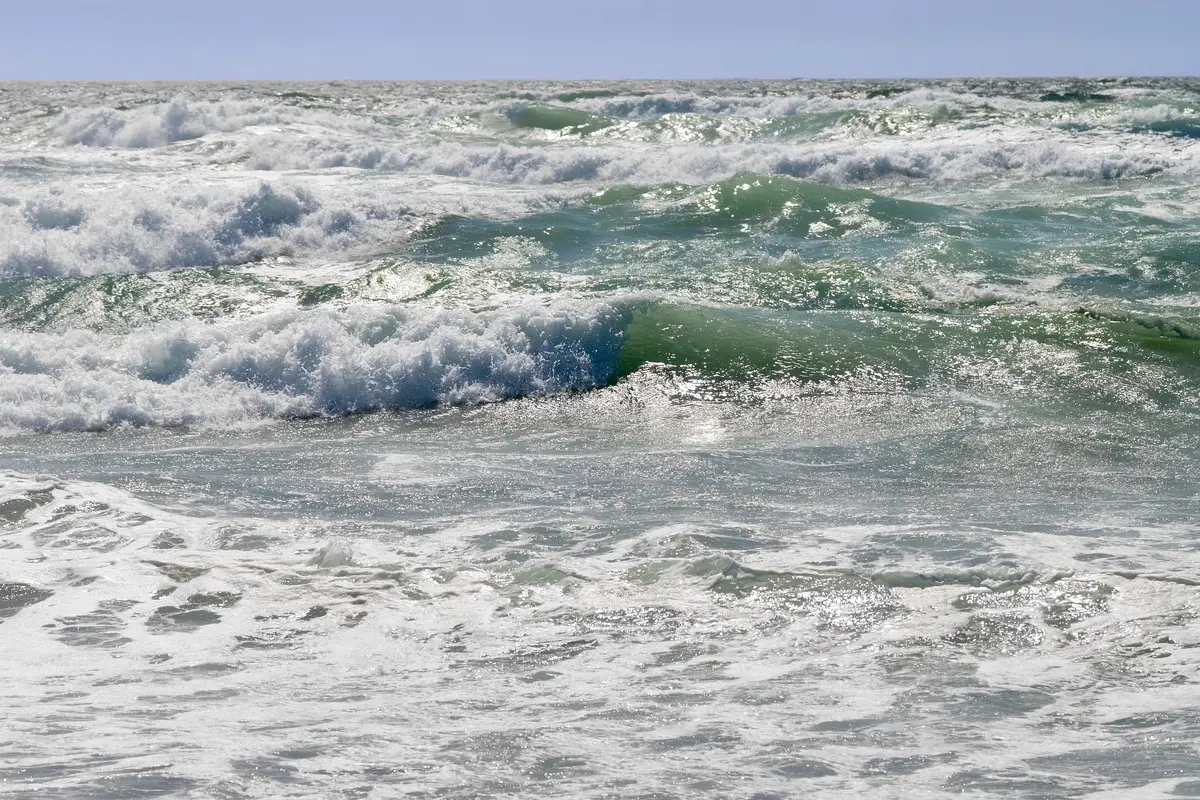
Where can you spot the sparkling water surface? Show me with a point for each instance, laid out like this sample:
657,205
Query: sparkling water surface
745,439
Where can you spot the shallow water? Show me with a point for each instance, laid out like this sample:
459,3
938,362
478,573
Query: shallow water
599,440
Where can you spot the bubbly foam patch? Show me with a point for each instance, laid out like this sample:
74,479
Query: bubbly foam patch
884,646
90,230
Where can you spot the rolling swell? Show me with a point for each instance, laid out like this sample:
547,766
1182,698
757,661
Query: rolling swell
746,345
787,204
745,203
1078,359
330,362
552,118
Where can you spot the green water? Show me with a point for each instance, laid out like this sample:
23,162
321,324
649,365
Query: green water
729,439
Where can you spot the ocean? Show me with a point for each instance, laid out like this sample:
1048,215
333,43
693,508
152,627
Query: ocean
741,439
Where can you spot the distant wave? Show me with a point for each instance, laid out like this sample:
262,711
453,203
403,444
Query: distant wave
839,138
957,158
183,119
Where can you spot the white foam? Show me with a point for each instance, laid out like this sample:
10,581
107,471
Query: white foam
928,132
1136,116
778,104
951,155
196,217
297,363
183,119
163,177
69,230
221,219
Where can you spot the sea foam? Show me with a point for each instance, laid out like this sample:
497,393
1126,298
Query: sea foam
946,158
83,231
304,363
183,119
906,133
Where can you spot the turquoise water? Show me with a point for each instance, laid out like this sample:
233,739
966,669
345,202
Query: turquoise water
600,440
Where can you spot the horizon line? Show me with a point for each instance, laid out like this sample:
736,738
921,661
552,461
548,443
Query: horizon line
875,78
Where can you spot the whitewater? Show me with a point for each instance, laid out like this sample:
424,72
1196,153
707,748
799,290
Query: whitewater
739,439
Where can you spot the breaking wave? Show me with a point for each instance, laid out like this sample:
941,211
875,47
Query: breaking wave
335,360
72,232
299,364
183,119
843,135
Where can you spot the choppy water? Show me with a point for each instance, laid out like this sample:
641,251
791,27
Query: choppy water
741,440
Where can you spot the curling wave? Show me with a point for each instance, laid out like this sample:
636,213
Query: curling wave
297,364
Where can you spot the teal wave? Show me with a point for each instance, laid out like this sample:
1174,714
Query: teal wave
554,118
1086,358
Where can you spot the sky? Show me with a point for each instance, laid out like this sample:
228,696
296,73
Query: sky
567,39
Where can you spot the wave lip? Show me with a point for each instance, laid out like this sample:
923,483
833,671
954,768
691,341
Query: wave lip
304,363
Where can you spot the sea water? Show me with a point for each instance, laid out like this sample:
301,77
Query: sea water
639,440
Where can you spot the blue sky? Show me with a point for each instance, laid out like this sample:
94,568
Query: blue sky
457,39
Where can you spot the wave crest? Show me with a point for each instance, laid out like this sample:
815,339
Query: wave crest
955,158
184,119
62,232
296,364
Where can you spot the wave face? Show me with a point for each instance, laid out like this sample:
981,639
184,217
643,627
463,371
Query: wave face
642,439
